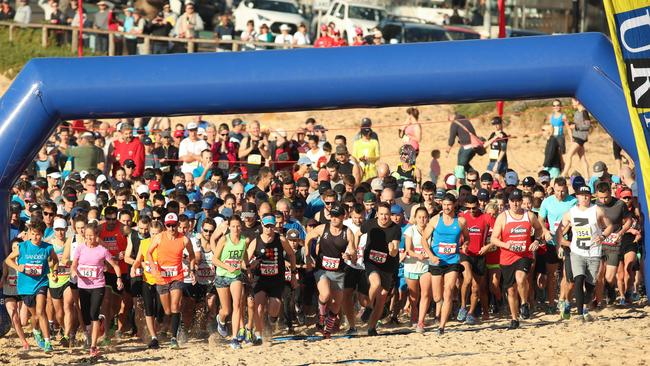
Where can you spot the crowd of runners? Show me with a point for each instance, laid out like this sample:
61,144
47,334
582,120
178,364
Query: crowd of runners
166,233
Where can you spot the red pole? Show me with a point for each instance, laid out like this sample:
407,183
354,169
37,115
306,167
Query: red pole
80,46
502,34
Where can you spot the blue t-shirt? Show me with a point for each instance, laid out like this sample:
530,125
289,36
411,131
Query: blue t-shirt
199,170
34,258
552,210
294,224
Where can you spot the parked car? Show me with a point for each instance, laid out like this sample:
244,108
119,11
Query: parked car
433,11
411,30
272,12
348,15
461,33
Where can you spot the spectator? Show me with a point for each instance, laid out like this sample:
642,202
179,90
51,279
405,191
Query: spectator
358,37
23,13
135,25
315,153
129,148
168,156
189,150
301,38
552,153
237,132
455,18
86,156
160,26
189,23
284,37
100,21
434,166
497,144
366,123
254,149
57,17
224,31
337,40
169,15
462,129
377,38
366,150
7,13
224,150
265,35
411,132
249,35
324,41
48,8
150,158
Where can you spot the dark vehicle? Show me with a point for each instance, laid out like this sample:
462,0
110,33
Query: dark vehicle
461,33
524,33
411,30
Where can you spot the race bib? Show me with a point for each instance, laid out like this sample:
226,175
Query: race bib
138,272
63,270
419,250
518,247
287,275
89,271
583,232
269,269
330,264
610,240
147,266
556,131
254,159
205,273
33,269
377,257
447,248
169,271
234,263
12,280
494,154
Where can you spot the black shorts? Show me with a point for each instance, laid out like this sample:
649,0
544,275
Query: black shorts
508,272
385,277
579,141
30,300
272,287
628,244
111,282
550,256
356,279
73,286
567,265
57,293
443,269
150,299
611,255
477,263
135,286
196,291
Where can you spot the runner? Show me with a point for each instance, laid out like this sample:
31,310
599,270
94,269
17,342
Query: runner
230,258
512,233
444,255
206,271
30,260
88,267
267,252
355,276
380,259
335,247
586,222
170,244
13,302
79,223
60,290
416,269
630,246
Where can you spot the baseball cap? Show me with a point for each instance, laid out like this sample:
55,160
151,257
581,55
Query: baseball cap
129,163
450,181
302,182
149,174
528,182
511,178
586,190
369,197
154,185
409,184
34,207
366,122
544,178
190,214
126,126
91,198
293,234
16,207
268,220
298,204
323,175
171,219
147,141
599,169
440,193
577,182
483,195
396,210
208,202
54,175
625,193
192,126
179,133
237,121
377,184
59,223
304,161
323,186
142,189
341,149
100,179
180,187
515,195
337,210
497,120
249,211
313,175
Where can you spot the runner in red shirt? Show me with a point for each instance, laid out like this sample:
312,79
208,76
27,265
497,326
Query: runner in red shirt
473,262
324,41
512,233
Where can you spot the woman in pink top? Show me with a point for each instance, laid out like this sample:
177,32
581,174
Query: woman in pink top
88,268
411,133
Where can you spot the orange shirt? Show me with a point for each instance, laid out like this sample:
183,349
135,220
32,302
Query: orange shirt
170,258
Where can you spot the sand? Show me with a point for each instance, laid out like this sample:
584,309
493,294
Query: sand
616,337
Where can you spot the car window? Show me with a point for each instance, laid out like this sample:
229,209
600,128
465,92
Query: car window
392,31
279,6
340,12
363,13
334,8
424,34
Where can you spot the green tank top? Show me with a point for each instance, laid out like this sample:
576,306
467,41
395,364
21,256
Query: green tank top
232,255
63,270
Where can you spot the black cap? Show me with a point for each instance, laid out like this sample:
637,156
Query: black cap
323,186
149,174
528,182
584,190
75,176
497,120
366,122
483,195
337,210
516,195
303,182
147,141
487,177
129,163
34,207
180,187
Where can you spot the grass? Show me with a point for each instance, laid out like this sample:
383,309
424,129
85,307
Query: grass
473,110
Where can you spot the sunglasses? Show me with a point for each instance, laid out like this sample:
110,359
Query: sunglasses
144,196
473,208
156,217
224,135
328,203
171,226
208,231
48,213
269,226
471,180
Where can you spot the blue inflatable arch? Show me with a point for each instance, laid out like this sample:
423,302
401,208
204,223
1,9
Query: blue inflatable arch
49,90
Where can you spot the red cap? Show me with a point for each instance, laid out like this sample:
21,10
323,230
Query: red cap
179,133
358,31
323,27
154,185
171,219
626,192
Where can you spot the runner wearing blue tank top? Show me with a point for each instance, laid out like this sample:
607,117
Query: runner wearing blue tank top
559,124
30,261
444,255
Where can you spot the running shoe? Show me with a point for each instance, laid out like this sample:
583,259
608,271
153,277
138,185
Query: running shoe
94,351
87,341
586,316
241,335
514,324
258,341
462,314
419,328
248,336
372,332
524,311
47,346
221,328
621,301
302,319
64,342
153,344
635,297
441,331
566,311
471,320
38,337
365,316
351,332
173,343
234,344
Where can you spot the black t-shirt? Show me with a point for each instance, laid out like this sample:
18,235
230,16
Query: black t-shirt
376,252
501,144
251,232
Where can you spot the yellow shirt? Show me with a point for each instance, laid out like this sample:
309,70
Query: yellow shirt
369,149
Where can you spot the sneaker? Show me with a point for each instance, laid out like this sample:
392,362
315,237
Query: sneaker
635,297
471,320
441,331
47,346
351,332
248,336
372,332
551,310
302,319
221,328
173,343
64,342
462,315
514,324
621,302
419,328
38,337
524,311
234,344
258,341
586,316
87,341
94,351
241,335
566,314
153,344
365,316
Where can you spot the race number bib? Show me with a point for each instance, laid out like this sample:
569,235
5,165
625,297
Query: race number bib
254,159
63,270
377,257
494,154
205,273
610,240
89,271
447,248
518,247
138,272
267,269
12,280
33,269
287,275
419,250
330,264
234,263
168,271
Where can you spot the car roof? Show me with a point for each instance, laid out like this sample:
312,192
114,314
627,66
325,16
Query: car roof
409,24
460,29
360,4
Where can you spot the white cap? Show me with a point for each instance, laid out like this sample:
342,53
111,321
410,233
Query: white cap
511,178
142,188
192,126
87,134
55,175
201,131
451,180
377,184
285,27
91,198
409,184
59,223
83,174
100,179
